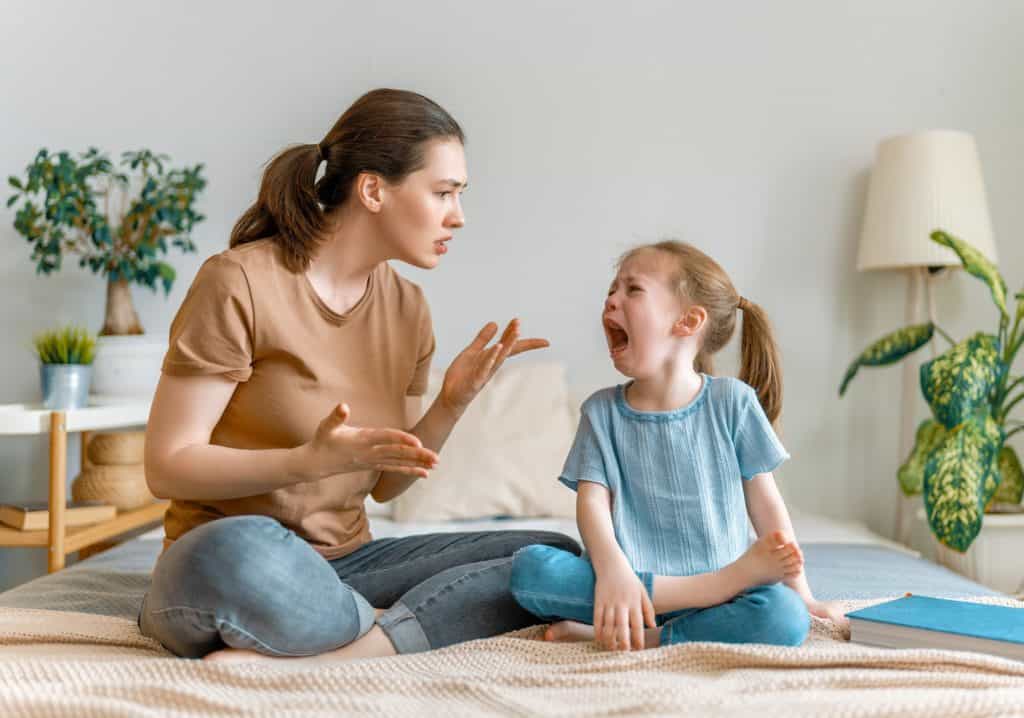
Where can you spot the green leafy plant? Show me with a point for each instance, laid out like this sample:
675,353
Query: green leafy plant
961,463
119,220
67,345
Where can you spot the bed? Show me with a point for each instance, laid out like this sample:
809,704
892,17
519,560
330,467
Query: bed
69,646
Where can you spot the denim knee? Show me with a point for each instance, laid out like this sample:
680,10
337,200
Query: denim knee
534,571
249,582
785,620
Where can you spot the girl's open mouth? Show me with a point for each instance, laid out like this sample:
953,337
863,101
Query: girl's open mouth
618,338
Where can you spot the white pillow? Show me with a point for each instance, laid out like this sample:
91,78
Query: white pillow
376,508
504,456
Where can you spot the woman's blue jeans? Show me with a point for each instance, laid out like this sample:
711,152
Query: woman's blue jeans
554,585
249,582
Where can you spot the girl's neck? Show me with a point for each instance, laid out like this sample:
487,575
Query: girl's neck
666,391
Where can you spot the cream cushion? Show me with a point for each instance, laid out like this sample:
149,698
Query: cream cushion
504,456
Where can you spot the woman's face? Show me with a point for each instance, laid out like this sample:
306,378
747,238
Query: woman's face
421,213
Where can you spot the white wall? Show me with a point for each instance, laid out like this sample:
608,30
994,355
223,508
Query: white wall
747,128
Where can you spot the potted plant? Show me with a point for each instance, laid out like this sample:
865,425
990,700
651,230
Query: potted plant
962,464
120,221
65,366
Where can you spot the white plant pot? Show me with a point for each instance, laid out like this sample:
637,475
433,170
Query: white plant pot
994,557
127,366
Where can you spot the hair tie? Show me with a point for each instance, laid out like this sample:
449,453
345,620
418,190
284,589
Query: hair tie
743,304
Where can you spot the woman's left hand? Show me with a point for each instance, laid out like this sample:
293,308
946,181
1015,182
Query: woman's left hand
477,363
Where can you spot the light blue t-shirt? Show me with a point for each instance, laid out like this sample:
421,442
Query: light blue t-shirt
675,476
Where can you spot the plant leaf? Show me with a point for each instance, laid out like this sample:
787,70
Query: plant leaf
958,381
978,265
1011,477
958,481
930,434
890,349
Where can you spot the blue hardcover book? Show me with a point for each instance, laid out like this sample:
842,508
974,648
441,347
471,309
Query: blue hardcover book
925,622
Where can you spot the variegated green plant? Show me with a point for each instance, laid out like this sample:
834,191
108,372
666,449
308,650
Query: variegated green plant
958,480
961,462
890,349
956,383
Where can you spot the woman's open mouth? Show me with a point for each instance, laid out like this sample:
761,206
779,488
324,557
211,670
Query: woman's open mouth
441,246
618,338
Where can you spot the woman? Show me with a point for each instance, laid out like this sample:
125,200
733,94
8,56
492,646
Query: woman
288,347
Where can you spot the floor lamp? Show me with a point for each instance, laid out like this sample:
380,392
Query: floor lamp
921,182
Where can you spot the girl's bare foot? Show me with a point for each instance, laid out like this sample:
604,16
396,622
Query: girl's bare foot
570,631
770,559
565,631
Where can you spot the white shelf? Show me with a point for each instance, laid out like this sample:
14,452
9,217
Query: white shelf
102,413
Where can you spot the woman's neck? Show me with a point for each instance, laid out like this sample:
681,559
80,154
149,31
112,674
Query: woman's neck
671,389
341,268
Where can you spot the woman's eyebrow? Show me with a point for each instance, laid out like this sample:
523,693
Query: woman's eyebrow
454,183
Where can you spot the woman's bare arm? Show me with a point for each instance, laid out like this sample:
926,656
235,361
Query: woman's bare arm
180,462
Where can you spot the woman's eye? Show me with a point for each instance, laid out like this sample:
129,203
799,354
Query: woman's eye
444,194
635,288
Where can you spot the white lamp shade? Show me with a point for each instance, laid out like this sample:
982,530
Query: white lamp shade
923,182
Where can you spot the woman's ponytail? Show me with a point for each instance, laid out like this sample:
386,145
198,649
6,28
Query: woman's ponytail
287,207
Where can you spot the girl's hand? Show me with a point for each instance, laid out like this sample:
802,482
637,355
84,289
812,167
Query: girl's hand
477,363
337,448
621,609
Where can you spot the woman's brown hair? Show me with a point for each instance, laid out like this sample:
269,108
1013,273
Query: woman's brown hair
384,132
698,278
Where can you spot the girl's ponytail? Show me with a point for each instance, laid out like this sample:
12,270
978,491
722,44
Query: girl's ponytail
760,366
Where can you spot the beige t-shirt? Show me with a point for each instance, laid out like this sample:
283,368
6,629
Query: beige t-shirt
248,318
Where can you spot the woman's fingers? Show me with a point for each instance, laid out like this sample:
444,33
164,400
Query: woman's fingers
376,437
483,337
511,332
407,470
489,366
400,462
526,345
508,340
402,453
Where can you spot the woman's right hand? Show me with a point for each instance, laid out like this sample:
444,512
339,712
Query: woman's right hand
621,609
337,448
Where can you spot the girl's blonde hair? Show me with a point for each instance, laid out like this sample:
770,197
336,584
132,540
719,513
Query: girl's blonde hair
699,279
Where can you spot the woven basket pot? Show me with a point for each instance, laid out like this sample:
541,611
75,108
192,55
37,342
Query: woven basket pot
116,448
123,486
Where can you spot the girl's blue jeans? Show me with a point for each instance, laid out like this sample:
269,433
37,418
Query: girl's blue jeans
554,585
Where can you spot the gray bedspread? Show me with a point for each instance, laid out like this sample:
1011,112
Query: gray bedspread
113,583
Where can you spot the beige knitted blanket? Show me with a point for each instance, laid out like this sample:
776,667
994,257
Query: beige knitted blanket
70,664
